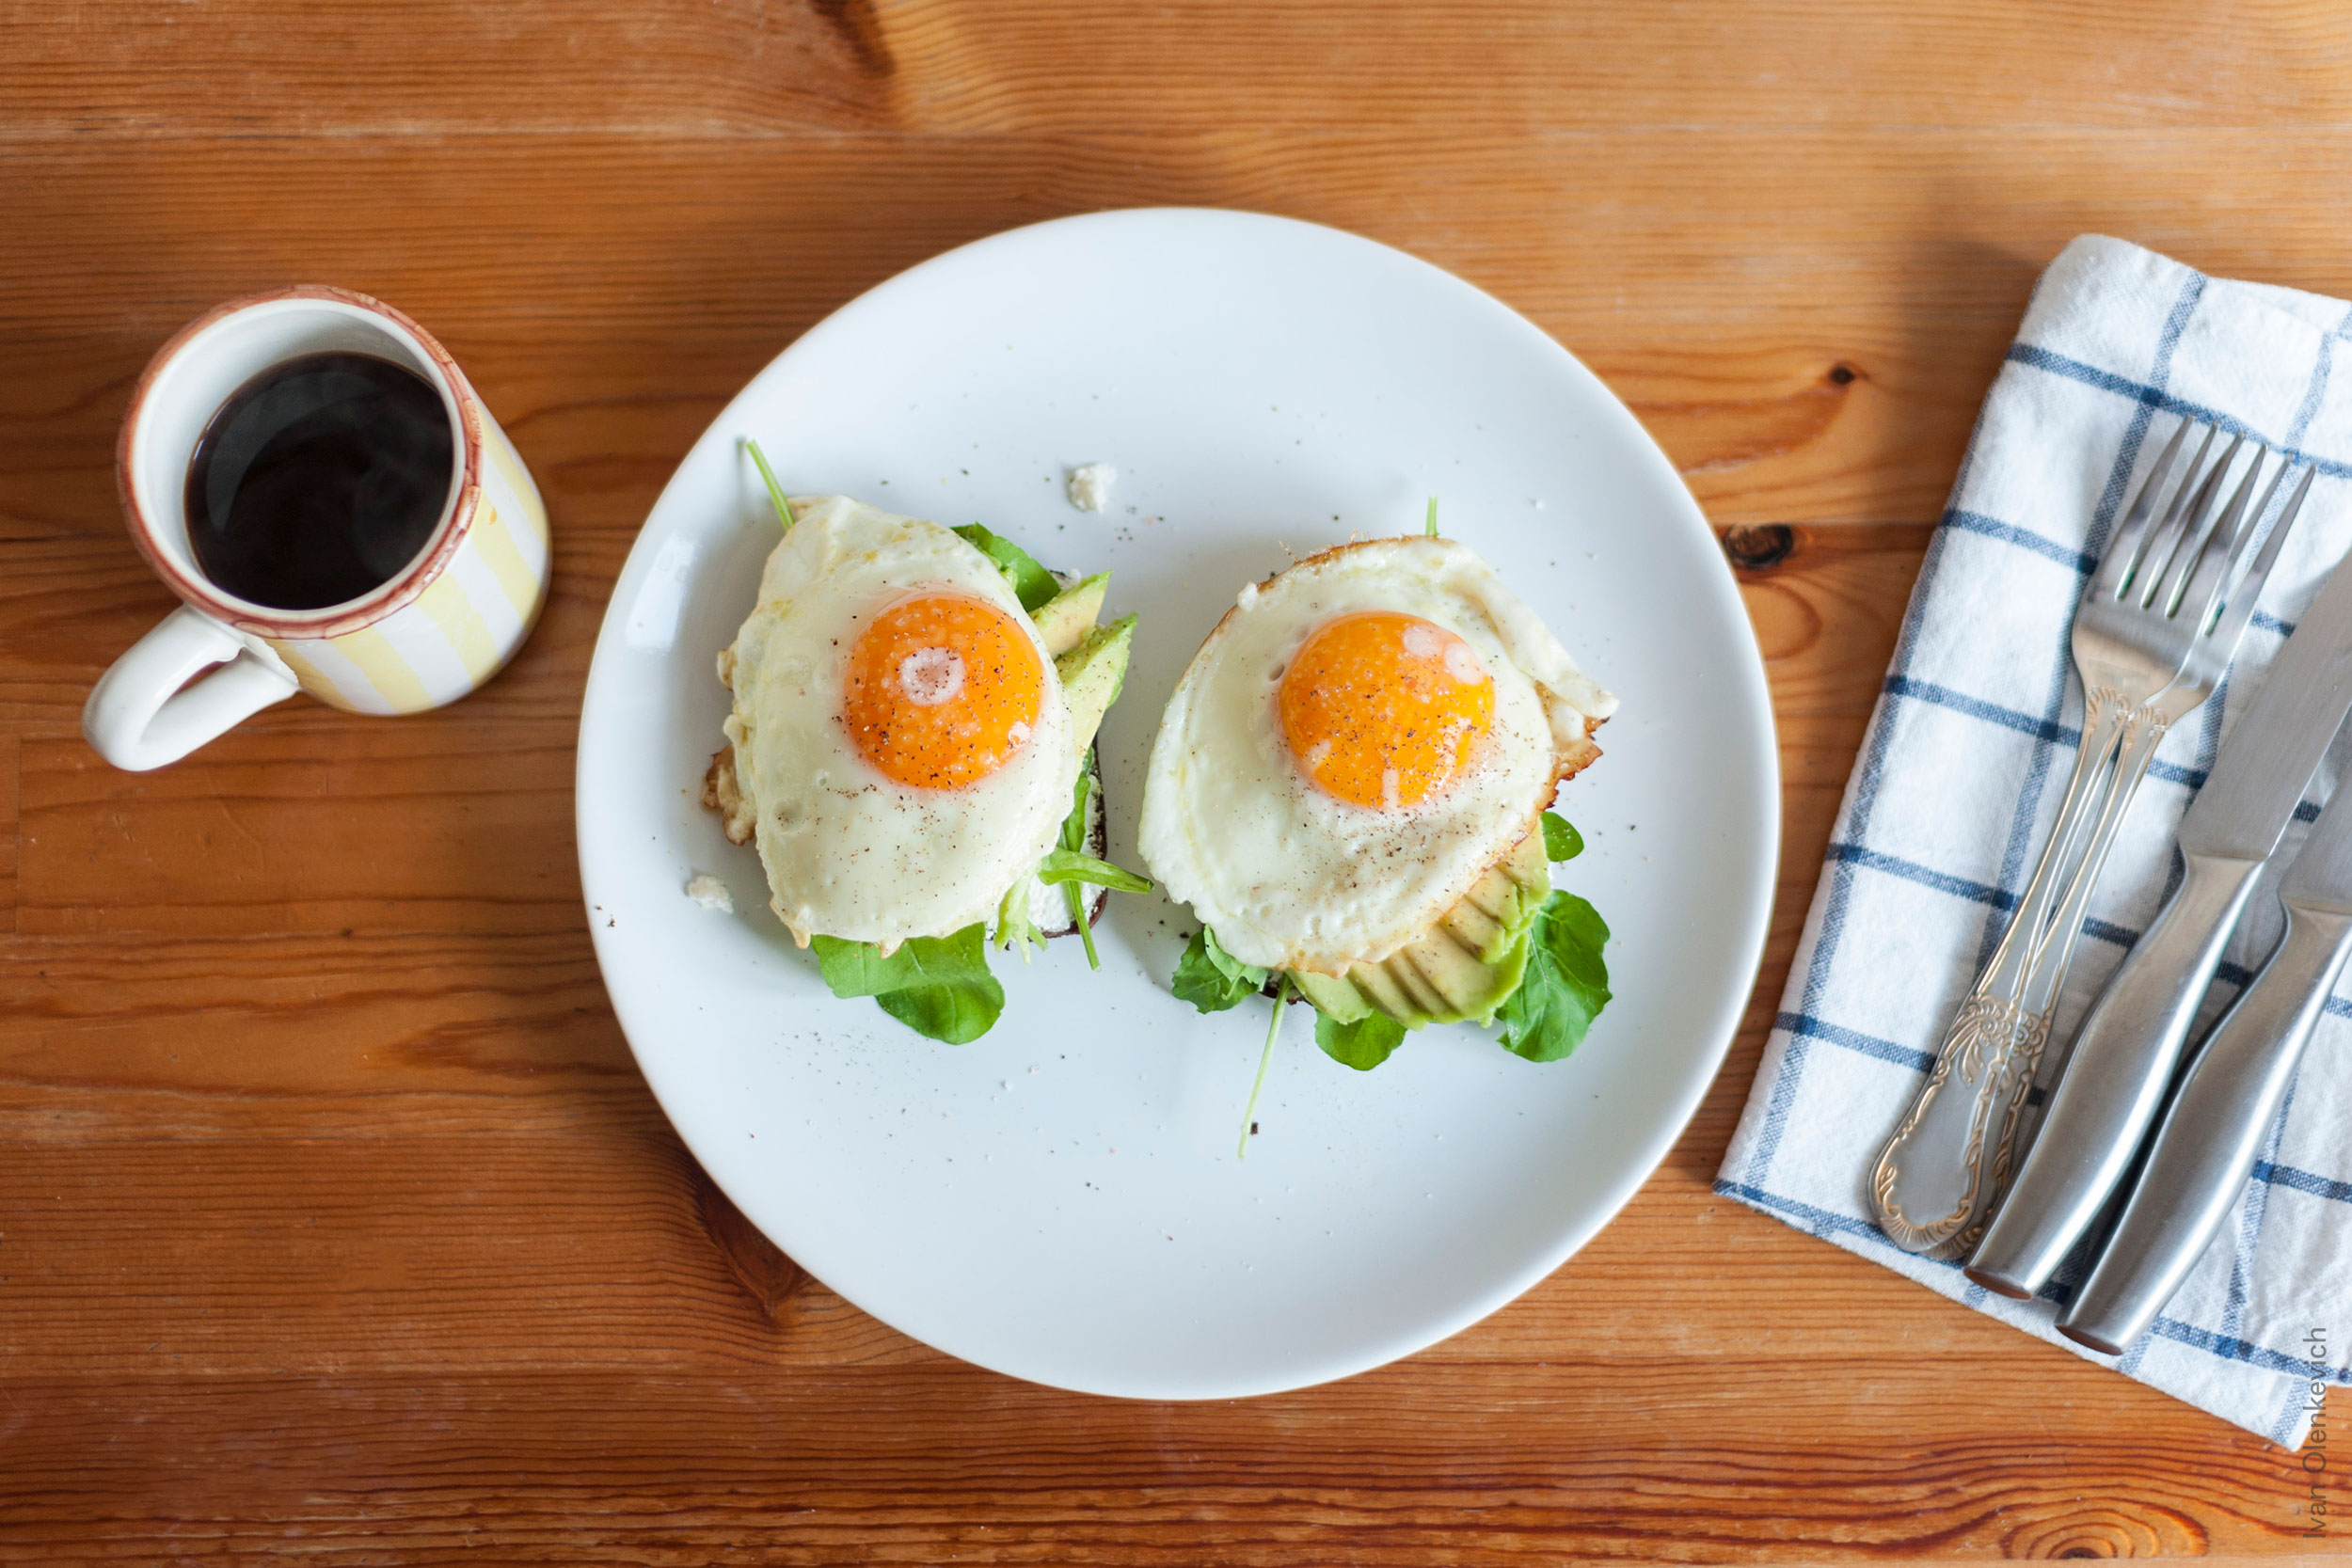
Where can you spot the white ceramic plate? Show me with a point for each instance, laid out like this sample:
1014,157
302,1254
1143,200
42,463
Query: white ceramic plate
1060,1201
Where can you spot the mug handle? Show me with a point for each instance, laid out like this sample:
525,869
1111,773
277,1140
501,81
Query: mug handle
144,712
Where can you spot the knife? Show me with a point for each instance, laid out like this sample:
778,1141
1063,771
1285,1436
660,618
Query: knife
2205,1148
2124,1055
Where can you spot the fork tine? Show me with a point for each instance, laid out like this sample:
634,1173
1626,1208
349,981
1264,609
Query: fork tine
2240,608
2123,551
2134,560
2203,572
2169,557
2157,544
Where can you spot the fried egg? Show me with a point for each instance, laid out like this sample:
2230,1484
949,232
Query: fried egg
1357,741
901,743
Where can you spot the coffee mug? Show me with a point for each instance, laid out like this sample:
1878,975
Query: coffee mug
439,627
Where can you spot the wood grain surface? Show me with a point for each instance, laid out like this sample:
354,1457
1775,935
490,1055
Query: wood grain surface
336,1224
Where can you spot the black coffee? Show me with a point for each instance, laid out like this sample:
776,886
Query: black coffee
319,480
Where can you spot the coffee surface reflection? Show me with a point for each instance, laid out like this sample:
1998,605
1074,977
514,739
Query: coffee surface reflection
319,480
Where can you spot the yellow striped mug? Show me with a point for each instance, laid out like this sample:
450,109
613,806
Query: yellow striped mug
441,627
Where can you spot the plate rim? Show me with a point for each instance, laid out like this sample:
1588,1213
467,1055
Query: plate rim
1763,824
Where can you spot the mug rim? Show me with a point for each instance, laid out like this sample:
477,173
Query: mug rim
354,614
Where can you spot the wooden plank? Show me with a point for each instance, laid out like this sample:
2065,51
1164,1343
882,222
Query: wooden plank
1758,420
939,1461
247,1028
654,287
1534,68
11,835
285,69
424,68
320,822
553,1226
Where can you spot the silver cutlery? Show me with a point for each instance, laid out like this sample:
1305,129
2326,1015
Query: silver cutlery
2208,661
2107,1091
2149,650
2205,1147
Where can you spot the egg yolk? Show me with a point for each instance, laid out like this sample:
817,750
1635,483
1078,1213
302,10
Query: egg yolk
1385,710
942,690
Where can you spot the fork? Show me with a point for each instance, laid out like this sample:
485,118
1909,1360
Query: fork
2200,675
2151,639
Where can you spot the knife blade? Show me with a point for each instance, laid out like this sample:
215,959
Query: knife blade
2123,1054
2205,1147
2321,877
2259,779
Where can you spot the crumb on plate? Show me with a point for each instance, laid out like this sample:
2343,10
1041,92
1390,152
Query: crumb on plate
710,892
1091,486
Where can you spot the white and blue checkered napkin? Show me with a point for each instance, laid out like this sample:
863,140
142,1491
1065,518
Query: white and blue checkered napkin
1959,781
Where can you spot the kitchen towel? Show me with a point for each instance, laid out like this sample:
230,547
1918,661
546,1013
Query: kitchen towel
1959,779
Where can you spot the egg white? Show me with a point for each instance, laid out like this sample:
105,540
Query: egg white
849,852
1288,876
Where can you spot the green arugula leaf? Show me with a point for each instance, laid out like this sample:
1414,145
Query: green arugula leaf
1266,1059
939,986
1363,1044
1073,827
1212,979
1562,842
1077,866
1014,924
1032,583
1567,983
1074,837
776,491
1068,866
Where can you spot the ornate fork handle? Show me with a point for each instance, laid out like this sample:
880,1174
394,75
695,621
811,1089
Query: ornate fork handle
2048,977
1933,1181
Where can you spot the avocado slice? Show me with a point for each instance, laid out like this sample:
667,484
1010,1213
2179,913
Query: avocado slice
1502,903
1334,996
1463,967
1524,879
1380,988
1092,674
1463,987
1477,930
1064,620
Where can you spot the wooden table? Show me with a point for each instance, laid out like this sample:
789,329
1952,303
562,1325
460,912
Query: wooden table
336,1222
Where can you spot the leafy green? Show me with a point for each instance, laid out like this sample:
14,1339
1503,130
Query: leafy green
1032,583
1014,924
1069,866
1266,1059
1562,842
1212,979
1074,837
1363,1044
776,491
1567,983
939,986
1432,518
1077,866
